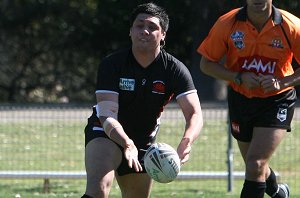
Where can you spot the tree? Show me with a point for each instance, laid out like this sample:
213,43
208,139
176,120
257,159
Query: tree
50,49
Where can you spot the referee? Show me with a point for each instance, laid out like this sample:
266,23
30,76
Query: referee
258,42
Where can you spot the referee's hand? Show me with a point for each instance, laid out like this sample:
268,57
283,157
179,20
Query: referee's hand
269,83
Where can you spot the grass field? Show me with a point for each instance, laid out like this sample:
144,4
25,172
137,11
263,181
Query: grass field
39,139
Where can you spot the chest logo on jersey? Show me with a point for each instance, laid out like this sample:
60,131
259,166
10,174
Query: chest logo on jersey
238,39
276,43
258,64
158,87
127,84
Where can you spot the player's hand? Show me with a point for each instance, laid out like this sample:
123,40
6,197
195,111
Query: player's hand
131,154
250,80
184,148
269,83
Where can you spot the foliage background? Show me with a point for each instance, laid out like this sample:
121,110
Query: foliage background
50,49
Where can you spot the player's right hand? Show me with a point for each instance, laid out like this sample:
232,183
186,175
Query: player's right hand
131,154
250,80
183,150
269,83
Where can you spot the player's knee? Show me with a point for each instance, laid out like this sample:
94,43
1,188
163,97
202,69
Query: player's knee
138,192
104,187
256,167
135,194
98,188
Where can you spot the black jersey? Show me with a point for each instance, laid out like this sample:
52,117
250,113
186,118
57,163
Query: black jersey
143,92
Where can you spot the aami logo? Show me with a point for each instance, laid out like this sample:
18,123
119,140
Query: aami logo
258,64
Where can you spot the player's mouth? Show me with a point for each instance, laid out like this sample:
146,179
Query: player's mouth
258,4
143,40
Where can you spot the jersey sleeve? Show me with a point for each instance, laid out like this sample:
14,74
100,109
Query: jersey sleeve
107,76
182,81
296,42
214,46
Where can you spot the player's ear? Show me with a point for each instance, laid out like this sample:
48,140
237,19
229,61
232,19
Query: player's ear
163,35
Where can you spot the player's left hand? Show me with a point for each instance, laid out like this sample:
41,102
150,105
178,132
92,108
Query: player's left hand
269,83
131,154
184,148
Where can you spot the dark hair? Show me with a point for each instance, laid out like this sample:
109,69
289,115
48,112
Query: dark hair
153,10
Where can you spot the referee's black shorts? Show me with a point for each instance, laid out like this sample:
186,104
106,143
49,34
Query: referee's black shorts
246,113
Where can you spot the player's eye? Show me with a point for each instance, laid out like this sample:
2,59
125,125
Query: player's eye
139,26
153,28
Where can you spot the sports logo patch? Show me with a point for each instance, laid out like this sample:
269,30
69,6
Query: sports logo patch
258,64
276,43
282,114
127,84
158,87
238,39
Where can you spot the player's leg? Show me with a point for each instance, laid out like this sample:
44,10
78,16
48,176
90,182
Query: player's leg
272,187
135,185
102,157
249,185
243,147
262,146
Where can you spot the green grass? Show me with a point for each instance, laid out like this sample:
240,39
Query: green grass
63,188
58,145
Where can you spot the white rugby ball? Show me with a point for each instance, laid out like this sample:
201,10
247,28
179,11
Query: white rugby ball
162,162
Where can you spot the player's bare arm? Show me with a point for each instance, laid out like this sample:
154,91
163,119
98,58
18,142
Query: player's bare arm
192,112
271,83
216,70
114,130
292,80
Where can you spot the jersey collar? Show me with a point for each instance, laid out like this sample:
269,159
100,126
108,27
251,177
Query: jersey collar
276,15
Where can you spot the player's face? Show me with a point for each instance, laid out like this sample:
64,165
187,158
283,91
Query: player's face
146,33
259,6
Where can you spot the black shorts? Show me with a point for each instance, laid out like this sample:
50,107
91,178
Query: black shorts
92,131
246,113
